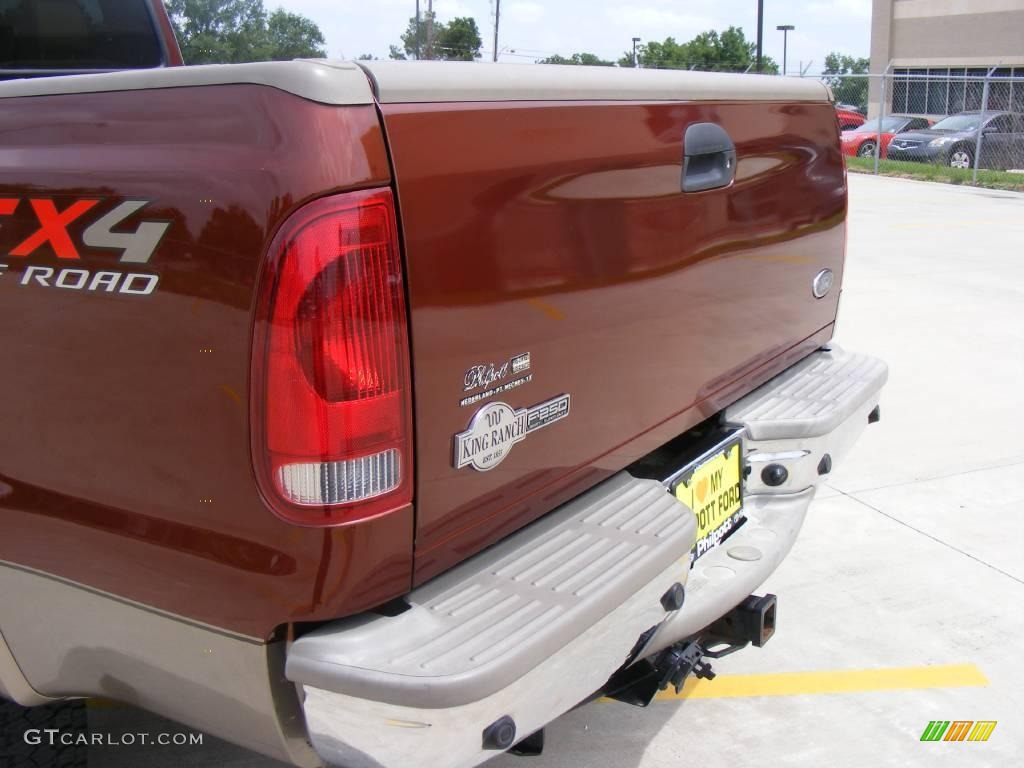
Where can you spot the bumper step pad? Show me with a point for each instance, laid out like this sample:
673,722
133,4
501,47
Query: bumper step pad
810,399
486,623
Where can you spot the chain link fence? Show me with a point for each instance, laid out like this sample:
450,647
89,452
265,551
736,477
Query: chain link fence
957,125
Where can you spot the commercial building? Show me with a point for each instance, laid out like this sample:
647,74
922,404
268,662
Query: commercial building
938,52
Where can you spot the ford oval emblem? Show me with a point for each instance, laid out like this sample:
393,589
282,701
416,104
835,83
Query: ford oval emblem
822,283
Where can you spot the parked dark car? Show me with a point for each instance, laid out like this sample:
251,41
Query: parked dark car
953,141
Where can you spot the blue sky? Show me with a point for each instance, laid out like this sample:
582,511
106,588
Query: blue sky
536,28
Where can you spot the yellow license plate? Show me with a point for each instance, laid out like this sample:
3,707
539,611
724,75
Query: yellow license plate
713,490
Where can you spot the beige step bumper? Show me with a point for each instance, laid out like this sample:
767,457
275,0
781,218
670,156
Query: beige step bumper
525,631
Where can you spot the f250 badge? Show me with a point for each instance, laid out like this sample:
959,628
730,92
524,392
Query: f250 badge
106,233
496,427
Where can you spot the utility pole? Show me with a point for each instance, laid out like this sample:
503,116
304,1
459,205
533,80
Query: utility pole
635,41
430,29
417,29
760,31
497,18
785,29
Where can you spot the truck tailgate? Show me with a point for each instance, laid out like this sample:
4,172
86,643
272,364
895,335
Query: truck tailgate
551,251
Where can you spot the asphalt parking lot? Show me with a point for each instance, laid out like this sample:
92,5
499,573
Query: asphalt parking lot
901,602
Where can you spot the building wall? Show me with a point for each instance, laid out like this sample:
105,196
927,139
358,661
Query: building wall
944,33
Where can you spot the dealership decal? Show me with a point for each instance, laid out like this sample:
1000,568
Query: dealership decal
489,374
51,235
508,386
496,427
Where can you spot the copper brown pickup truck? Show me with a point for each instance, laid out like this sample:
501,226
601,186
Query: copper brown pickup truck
355,413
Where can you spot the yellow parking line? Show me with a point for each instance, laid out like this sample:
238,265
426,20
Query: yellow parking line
838,681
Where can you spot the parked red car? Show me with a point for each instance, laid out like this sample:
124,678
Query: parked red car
861,141
848,119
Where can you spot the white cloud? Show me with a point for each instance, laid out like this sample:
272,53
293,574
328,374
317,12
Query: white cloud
657,23
525,11
449,9
858,9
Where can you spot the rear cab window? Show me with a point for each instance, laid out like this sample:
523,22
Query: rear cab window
51,37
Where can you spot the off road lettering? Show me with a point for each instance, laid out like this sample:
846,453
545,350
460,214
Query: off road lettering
136,247
131,283
54,233
53,228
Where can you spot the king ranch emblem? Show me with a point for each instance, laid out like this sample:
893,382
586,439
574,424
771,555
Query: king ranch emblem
496,427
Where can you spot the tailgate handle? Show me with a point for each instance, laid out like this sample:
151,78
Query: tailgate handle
709,158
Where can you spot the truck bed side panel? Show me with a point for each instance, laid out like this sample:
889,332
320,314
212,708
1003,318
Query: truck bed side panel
124,420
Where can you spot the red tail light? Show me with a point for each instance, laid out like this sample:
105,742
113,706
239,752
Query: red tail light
331,407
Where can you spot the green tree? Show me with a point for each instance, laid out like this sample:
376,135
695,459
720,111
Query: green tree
584,59
414,39
227,31
292,36
838,73
458,40
666,55
710,51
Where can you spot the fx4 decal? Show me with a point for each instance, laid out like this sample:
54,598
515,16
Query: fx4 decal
107,232
136,247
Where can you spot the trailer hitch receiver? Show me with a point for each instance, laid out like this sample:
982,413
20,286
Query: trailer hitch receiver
752,622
